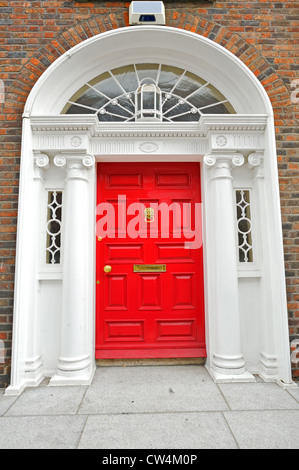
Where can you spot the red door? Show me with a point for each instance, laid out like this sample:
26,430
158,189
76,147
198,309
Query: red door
150,300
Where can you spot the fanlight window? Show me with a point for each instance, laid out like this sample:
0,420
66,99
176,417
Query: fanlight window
148,92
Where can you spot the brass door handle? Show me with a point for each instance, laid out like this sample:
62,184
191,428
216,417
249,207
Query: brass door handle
107,268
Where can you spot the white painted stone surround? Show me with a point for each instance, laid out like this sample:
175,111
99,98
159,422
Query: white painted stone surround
246,310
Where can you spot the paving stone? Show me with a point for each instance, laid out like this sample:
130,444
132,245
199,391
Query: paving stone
152,389
272,429
206,430
48,401
257,396
5,402
41,432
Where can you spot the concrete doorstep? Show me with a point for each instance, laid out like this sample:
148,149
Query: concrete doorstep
151,408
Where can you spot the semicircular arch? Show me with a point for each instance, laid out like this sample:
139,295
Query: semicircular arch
115,48
93,27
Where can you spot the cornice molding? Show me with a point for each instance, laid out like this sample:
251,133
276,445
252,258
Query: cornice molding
206,124
233,122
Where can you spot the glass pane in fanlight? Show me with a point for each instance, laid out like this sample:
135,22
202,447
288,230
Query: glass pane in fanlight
169,102
106,85
210,95
129,104
169,77
216,93
203,97
109,118
158,102
74,109
186,118
116,109
74,98
79,93
188,85
216,109
179,109
139,101
148,100
147,71
127,78
92,99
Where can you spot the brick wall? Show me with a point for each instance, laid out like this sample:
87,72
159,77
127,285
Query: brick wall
263,34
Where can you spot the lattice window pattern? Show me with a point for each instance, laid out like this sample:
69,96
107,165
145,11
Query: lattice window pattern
113,95
244,225
53,227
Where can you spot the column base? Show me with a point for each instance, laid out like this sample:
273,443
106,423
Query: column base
287,386
64,380
34,372
69,366
228,365
268,368
73,371
14,391
231,377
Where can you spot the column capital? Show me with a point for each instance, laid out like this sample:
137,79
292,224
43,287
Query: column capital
255,159
74,161
256,164
41,161
230,160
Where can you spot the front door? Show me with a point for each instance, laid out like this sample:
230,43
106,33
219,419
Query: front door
149,271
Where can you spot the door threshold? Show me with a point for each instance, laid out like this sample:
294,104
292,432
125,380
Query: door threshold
150,362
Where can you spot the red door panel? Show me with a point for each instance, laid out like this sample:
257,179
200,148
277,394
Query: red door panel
149,314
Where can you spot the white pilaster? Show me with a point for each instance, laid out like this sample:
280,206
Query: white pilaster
33,362
268,366
75,364
227,361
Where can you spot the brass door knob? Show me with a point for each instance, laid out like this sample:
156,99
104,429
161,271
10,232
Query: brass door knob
107,268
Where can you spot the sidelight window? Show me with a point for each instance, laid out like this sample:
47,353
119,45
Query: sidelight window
53,227
244,225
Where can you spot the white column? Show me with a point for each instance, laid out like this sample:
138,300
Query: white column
75,364
227,361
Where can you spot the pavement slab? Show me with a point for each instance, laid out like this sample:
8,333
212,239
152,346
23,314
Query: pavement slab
271,429
151,407
207,430
41,432
152,389
257,396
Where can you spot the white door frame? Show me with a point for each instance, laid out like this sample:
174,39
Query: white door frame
229,147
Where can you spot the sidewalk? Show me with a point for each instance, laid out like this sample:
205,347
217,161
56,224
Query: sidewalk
164,407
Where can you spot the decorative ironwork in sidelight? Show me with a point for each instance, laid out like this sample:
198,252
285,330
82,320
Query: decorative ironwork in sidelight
244,224
53,227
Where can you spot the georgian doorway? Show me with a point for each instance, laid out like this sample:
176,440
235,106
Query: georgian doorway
190,102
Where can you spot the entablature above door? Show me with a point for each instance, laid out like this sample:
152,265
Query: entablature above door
213,133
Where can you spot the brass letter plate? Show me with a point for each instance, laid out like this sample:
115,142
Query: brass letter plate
149,268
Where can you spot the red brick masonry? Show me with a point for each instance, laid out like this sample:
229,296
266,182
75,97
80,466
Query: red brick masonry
263,34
